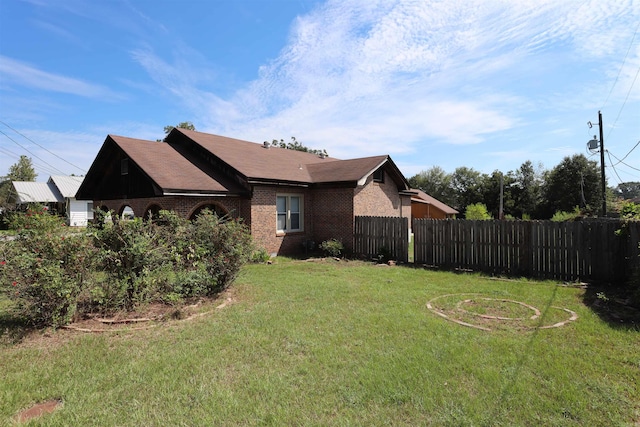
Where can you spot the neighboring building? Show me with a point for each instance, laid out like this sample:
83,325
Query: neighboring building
425,206
286,197
58,194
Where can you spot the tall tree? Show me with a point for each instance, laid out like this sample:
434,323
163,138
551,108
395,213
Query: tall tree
435,182
21,171
573,182
526,190
467,184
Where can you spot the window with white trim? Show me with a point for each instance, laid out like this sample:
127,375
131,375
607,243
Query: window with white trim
290,213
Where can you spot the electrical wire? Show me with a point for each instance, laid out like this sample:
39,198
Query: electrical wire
613,167
27,150
53,154
627,165
626,155
35,165
624,60
624,103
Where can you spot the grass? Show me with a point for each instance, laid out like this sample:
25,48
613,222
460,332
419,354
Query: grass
346,343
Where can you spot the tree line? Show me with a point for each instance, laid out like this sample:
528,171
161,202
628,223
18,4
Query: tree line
529,192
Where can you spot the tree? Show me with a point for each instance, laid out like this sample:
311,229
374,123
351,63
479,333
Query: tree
628,190
181,125
296,145
466,185
435,182
526,190
21,171
573,182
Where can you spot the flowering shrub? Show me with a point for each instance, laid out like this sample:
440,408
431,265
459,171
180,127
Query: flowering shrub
52,274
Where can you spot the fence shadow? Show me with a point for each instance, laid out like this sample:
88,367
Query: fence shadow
614,305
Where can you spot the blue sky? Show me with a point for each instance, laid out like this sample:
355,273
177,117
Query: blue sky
483,84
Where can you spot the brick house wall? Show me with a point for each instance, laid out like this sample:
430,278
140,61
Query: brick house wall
333,216
381,199
263,220
328,213
183,205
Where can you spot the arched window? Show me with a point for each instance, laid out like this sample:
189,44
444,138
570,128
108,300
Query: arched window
217,209
152,213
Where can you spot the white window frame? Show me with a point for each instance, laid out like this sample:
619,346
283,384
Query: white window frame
287,212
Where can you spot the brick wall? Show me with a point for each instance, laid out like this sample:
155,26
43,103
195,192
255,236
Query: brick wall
263,220
333,216
182,205
381,199
328,213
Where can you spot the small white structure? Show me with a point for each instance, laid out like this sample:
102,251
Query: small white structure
59,192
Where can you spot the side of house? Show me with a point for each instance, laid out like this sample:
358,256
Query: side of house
287,198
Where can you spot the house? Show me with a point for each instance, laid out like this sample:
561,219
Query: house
425,206
58,194
287,198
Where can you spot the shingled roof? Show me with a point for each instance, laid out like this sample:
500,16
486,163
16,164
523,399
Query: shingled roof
265,163
195,162
169,169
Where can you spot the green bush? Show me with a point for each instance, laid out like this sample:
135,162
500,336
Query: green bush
332,247
477,211
560,216
44,272
223,245
51,273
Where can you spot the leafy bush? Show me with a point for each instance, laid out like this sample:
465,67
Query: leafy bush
260,255
50,273
223,245
477,211
630,211
560,216
46,270
332,247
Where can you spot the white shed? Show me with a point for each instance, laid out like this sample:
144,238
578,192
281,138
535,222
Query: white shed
59,191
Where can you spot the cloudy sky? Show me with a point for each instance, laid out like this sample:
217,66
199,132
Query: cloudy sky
483,84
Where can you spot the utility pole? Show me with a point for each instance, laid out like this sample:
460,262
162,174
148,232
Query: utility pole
604,185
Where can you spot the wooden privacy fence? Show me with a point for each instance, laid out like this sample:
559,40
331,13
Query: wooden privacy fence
588,250
377,235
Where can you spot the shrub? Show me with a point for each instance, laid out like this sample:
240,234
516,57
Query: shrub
223,245
260,255
560,216
332,247
477,211
45,270
50,273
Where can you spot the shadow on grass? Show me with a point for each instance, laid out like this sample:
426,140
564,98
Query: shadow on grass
614,305
13,329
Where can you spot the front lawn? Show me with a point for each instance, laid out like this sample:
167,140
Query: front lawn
341,343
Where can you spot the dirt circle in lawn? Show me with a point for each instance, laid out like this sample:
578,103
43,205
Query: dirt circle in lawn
489,313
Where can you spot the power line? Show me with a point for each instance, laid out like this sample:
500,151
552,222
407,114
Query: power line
613,167
626,155
53,154
624,60
624,103
620,161
27,150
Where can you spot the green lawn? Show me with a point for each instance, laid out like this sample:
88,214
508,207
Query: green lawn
327,343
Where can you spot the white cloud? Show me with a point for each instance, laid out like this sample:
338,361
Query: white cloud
366,77
23,74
